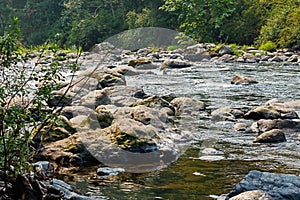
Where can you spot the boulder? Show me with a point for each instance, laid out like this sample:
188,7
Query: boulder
240,127
175,63
72,111
252,195
68,152
242,80
43,169
112,79
278,186
272,136
228,58
156,102
293,58
124,95
105,172
226,114
95,98
185,105
262,112
287,125
60,129
225,50
67,192
139,61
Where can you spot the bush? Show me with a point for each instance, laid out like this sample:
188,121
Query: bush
24,90
268,46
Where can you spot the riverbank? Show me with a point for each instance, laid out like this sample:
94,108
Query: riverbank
116,91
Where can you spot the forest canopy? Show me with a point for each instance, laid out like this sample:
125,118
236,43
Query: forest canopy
86,22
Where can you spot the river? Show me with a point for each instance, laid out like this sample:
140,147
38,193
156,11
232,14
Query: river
190,177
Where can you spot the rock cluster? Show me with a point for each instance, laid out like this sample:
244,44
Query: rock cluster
105,120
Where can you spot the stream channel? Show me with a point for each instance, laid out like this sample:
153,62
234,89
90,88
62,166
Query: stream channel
190,177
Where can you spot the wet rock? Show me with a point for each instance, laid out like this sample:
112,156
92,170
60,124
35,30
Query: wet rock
240,127
62,128
242,80
286,125
293,58
27,187
262,112
278,186
272,136
68,193
107,171
139,61
175,63
185,105
69,152
252,195
226,114
43,169
112,79
156,102
126,70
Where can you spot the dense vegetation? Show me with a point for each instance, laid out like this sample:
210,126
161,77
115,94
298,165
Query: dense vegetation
86,22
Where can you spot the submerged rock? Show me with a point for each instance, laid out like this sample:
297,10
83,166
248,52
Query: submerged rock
108,171
278,186
242,80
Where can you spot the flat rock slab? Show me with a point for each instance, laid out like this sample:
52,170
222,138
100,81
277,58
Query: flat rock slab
279,186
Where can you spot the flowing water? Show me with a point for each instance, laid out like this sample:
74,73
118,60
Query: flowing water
193,178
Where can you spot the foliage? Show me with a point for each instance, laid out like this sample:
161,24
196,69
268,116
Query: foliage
86,22
282,24
24,89
268,46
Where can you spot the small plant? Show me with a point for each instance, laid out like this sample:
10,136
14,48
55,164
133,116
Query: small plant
172,47
236,50
268,46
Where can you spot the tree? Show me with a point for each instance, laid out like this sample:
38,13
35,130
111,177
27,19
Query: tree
282,23
203,19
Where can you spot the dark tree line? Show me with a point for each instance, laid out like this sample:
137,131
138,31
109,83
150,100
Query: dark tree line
86,22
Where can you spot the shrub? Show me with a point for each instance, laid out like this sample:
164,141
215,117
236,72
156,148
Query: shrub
24,90
268,46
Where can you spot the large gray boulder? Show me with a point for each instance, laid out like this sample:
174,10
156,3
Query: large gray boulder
278,186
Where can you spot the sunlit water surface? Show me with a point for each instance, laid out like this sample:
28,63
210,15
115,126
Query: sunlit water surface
192,178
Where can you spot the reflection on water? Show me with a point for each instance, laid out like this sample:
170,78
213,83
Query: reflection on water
194,178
